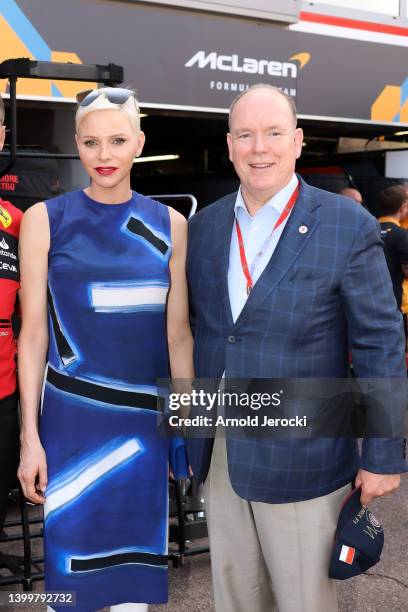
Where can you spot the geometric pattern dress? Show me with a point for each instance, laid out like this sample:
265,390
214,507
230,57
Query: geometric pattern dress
106,511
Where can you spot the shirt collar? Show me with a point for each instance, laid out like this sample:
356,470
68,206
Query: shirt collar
277,202
386,219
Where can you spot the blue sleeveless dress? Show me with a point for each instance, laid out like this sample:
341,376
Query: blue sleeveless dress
106,511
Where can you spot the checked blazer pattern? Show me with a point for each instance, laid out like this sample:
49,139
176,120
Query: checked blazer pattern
319,289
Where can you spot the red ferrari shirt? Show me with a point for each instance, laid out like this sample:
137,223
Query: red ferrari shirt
10,219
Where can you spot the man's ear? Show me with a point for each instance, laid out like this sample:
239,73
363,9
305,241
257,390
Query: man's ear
298,142
229,143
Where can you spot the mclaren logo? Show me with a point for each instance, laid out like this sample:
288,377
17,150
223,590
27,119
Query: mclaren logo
285,72
248,65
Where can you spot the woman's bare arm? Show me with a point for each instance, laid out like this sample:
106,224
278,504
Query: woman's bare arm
34,245
179,335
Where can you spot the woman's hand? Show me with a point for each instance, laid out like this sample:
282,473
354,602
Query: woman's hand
32,471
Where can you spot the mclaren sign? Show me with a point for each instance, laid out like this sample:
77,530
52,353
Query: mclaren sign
281,74
232,63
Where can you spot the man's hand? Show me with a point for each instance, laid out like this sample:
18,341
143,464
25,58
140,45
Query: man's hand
376,485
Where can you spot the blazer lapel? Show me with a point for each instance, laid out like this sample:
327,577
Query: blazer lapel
288,249
224,221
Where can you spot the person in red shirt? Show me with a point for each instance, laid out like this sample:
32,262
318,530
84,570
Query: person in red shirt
10,218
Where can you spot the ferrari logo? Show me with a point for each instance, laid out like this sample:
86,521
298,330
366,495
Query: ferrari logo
5,217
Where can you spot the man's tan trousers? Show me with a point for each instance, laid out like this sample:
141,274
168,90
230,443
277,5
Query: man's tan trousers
269,557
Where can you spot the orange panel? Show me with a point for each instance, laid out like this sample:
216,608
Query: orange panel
69,89
404,112
387,105
13,47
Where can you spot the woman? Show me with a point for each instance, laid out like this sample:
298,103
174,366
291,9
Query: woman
114,263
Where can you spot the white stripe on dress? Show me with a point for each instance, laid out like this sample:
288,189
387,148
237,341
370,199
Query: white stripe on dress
128,298
75,488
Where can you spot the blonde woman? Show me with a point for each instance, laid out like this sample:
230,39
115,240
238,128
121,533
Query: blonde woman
115,319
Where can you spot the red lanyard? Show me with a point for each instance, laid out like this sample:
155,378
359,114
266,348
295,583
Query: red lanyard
283,216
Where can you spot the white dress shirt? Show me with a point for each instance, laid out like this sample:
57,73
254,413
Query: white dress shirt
255,230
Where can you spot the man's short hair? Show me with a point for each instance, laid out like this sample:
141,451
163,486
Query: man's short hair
2,111
351,192
289,100
392,198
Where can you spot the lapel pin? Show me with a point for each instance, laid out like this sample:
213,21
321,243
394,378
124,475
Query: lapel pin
303,229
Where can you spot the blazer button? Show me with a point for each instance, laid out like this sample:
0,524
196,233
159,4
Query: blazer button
231,339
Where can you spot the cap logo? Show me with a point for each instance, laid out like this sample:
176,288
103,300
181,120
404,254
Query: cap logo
373,520
374,529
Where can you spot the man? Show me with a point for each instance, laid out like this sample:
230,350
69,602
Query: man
10,218
404,303
278,281
354,194
394,207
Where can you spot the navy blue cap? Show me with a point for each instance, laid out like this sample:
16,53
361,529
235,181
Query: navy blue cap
359,539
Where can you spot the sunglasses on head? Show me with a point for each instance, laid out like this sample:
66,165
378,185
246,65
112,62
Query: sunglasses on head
115,95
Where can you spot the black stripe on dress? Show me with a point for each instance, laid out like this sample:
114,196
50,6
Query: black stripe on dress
97,563
108,395
65,351
138,228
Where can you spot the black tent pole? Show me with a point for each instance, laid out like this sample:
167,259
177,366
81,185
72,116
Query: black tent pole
13,125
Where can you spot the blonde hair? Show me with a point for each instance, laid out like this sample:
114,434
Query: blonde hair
130,107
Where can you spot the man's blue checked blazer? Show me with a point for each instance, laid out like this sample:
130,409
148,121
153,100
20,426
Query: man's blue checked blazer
323,292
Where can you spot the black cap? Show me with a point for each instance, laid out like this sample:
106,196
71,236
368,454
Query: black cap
359,539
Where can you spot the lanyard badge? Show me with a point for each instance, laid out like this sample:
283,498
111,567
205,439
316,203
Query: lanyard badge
248,273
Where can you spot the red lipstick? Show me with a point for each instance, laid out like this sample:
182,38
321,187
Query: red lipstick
105,170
